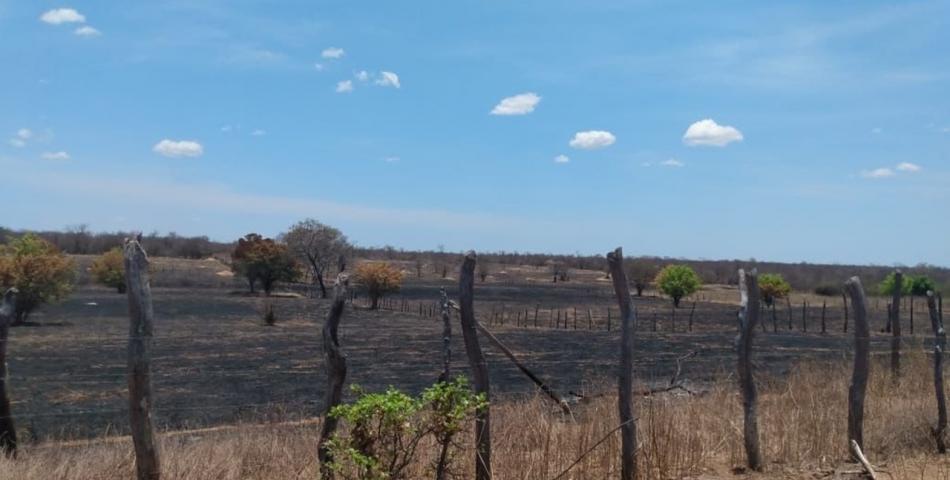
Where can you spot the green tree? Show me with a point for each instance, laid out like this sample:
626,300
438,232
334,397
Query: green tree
920,285
109,269
263,260
320,247
773,287
886,287
39,270
678,281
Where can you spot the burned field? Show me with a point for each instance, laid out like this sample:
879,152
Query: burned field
215,362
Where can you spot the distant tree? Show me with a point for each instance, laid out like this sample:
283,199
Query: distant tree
920,285
483,271
559,271
109,269
379,279
263,260
640,272
773,287
886,287
39,270
320,247
677,281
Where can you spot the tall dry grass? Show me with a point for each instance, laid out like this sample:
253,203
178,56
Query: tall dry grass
802,422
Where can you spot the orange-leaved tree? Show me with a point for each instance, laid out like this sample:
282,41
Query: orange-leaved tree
378,278
109,269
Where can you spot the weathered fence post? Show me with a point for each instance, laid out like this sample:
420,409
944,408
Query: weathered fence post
8,443
748,317
804,316
536,308
859,376
896,325
824,306
844,301
336,374
609,319
911,319
446,336
692,310
476,360
774,320
940,431
628,429
141,318
788,302
590,320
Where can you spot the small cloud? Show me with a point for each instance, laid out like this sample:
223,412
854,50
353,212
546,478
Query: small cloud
24,134
388,79
646,164
62,15
945,129
87,31
877,130
562,159
592,139
258,133
391,159
227,129
346,86
318,67
521,104
362,75
878,173
178,148
55,156
672,162
908,167
332,52
16,142
709,133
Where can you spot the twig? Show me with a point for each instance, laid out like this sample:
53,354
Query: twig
593,447
856,450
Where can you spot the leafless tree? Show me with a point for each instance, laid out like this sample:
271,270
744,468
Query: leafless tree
318,246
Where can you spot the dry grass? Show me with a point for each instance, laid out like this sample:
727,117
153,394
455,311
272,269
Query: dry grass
802,420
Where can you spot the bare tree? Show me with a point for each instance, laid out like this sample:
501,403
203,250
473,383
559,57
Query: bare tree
141,320
479,366
748,317
336,374
628,423
318,246
8,441
859,376
483,271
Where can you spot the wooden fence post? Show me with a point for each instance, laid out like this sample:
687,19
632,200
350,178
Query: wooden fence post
804,316
748,317
859,376
774,320
844,301
446,336
896,325
141,317
940,431
824,306
590,320
628,428
536,308
911,319
788,302
692,310
336,374
8,442
609,319
479,366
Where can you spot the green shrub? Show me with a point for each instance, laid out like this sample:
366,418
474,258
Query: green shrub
773,287
109,269
886,287
40,272
678,281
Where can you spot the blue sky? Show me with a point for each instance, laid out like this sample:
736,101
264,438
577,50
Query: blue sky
810,131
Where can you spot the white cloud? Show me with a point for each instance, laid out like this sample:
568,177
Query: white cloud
333,52
592,139
16,142
388,79
362,75
562,159
878,173
259,133
24,133
391,159
227,128
318,67
672,162
178,148
709,133
55,156
521,104
908,167
346,86
87,31
62,15
877,130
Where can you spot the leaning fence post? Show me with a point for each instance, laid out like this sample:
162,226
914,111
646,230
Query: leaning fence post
139,362
896,324
748,317
859,376
940,431
479,366
8,442
628,429
336,374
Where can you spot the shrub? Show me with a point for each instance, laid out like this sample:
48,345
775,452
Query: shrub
640,273
773,287
379,278
828,290
920,285
677,281
886,287
109,269
263,260
386,429
40,272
